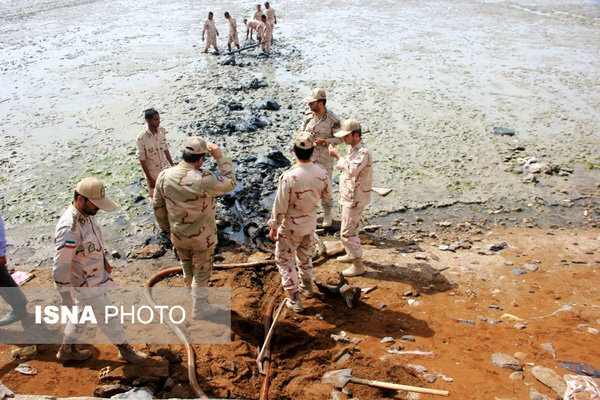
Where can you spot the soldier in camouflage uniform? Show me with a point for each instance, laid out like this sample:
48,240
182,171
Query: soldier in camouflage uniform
294,219
355,192
81,270
184,204
322,124
267,35
211,33
152,150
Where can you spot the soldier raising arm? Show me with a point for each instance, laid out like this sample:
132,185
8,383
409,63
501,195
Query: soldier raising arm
184,204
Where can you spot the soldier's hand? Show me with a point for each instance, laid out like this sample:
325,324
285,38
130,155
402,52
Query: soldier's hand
67,300
3,261
214,150
273,234
333,151
107,266
320,141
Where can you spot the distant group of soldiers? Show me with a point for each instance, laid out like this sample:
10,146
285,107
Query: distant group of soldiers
183,198
263,23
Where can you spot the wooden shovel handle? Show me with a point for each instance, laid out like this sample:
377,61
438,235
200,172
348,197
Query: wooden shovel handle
387,385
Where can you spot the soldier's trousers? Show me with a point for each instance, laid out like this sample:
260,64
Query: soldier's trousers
327,204
349,231
113,329
293,256
197,266
233,39
211,41
266,43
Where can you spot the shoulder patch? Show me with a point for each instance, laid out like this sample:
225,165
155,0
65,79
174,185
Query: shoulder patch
283,174
334,117
75,216
141,135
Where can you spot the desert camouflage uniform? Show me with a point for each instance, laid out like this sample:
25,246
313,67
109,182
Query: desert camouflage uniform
260,30
267,36
151,148
270,13
295,215
79,268
254,25
233,35
355,193
257,15
323,128
184,202
211,34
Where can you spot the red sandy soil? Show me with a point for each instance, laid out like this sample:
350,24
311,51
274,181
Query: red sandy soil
450,286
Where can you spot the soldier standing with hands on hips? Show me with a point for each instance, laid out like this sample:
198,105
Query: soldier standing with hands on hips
356,177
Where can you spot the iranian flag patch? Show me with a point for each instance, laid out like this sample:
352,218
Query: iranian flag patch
70,244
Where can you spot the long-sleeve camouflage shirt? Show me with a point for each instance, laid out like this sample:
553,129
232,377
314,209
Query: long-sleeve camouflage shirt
323,128
79,256
356,177
184,202
298,194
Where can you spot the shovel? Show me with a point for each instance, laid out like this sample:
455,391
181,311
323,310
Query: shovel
261,354
339,378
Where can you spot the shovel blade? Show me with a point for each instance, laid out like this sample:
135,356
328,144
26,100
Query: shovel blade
338,378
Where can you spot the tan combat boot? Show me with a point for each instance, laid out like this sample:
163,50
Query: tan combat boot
294,302
356,269
202,309
131,355
68,352
306,287
346,259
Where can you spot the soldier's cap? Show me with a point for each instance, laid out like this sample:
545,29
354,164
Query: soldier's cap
304,140
347,127
93,189
195,145
316,94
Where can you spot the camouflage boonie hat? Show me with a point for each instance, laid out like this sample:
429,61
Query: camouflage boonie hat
316,94
304,140
195,145
92,189
348,126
